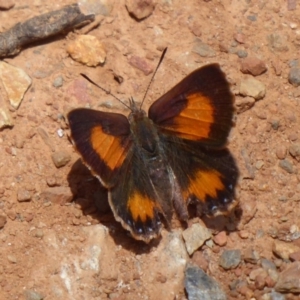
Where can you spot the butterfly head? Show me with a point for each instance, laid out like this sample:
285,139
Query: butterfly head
136,112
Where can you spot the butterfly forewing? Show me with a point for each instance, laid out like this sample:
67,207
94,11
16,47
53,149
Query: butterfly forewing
199,108
103,141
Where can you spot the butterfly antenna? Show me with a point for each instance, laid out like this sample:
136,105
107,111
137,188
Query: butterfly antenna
103,89
160,60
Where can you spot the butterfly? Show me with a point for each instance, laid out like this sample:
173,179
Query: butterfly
157,163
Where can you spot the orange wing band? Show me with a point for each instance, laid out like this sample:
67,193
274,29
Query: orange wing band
195,120
205,183
141,207
108,147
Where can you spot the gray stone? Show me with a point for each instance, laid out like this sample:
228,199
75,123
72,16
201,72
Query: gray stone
58,81
203,49
253,88
201,286
32,295
267,264
230,259
276,296
241,53
195,236
286,165
294,76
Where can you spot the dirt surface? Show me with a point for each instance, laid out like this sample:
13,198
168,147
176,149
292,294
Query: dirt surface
60,239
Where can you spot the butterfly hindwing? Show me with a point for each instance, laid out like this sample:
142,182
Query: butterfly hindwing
199,108
136,202
208,176
103,141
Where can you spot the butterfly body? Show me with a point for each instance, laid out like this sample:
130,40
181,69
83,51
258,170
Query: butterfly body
152,165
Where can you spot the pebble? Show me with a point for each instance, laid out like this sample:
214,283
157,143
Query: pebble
277,67
195,236
283,249
230,259
203,49
251,256
253,65
281,151
286,165
241,53
294,150
140,64
99,7
293,256
32,295
6,4
140,9
267,264
51,181
200,260
201,286
220,239
5,118
289,279
243,104
23,195
3,220
294,76
258,272
88,50
275,296
253,88
278,42
240,38
12,258
58,81
60,158
249,209
15,81
45,137
59,194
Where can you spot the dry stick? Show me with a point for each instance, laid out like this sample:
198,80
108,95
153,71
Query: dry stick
42,27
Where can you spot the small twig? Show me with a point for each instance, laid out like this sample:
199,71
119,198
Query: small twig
42,27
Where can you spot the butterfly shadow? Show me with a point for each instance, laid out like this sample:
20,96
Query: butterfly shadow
92,198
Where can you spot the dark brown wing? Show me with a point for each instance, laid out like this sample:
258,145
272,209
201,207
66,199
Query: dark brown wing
199,108
103,141
194,119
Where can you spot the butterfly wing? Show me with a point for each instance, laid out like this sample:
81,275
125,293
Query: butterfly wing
199,108
103,141
194,119
135,202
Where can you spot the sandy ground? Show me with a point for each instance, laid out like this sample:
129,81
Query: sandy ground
54,248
